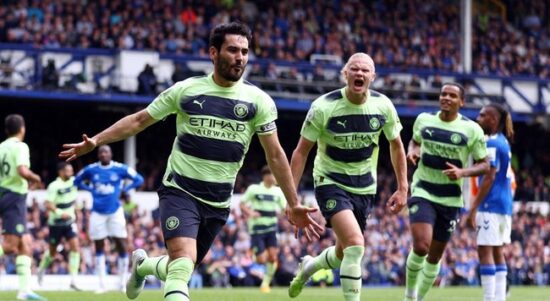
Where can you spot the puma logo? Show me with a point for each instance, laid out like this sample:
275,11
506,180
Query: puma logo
429,132
199,103
342,123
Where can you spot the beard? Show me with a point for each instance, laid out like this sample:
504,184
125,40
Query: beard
225,70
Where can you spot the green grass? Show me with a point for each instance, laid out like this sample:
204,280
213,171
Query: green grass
309,294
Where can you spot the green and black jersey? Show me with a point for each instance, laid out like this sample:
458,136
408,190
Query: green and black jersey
347,136
442,142
63,195
267,202
13,153
214,127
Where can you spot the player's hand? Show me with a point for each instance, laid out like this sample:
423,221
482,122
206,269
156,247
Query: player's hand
413,156
75,150
255,214
453,172
65,216
471,219
299,216
397,201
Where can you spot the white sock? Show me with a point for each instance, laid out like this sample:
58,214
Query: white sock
122,264
487,272
500,283
100,269
488,284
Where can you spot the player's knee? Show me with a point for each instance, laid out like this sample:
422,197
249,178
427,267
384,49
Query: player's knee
354,239
421,248
9,247
272,257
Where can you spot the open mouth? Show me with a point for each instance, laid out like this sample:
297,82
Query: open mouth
358,83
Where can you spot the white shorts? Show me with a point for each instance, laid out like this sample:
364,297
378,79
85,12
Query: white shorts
493,229
104,225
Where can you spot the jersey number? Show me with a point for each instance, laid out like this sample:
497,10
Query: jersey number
453,226
4,167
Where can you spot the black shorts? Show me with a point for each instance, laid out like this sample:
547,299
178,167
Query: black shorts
260,242
57,233
13,210
182,215
443,219
332,199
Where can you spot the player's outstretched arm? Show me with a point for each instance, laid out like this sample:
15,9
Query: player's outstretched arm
278,163
399,198
127,126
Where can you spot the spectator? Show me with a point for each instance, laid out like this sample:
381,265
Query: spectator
50,76
147,81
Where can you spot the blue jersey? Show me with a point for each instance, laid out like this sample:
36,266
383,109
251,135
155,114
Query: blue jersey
106,183
499,198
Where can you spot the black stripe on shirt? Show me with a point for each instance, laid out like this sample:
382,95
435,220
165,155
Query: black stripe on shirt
266,213
210,191
437,162
257,228
264,197
210,148
355,181
444,136
349,155
440,190
356,123
64,205
208,105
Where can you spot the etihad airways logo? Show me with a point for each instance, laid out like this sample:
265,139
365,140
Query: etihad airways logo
206,122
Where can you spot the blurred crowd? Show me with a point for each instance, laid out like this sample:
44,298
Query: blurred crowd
399,34
230,261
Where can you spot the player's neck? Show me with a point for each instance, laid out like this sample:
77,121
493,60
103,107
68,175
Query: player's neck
448,116
355,98
222,82
19,136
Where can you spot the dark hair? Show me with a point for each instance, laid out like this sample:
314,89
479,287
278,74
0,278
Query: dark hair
217,35
505,124
61,165
13,124
462,93
266,170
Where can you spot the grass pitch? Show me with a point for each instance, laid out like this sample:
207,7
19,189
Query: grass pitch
309,294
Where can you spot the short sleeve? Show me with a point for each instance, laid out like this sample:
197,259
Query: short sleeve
313,124
22,157
51,193
264,122
417,135
393,126
165,104
247,196
478,147
492,153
